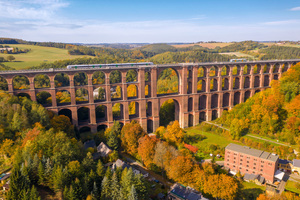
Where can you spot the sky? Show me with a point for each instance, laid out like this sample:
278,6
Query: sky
151,21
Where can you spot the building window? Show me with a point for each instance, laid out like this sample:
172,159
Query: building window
227,160
261,170
242,156
241,159
247,165
233,166
233,161
227,164
247,161
240,163
255,159
254,163
262,161
235,154
262,166
246,170
248,157
254,168
270,164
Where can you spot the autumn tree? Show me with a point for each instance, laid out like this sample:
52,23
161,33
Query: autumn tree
62,123
146,150
174,133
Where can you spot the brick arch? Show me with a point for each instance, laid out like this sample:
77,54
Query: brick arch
24,94
67,112
98,78
256,81
128,78
246,82
25,81
276,68
149,108
83,113
201,72
101,113
247,95
132,94
235,70
43,98
159,71
214,101
202,102
178,108
225,70
101,127
45,79
213,71
3,83
115,80
226,100
64,77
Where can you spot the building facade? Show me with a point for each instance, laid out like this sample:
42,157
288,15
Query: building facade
244,159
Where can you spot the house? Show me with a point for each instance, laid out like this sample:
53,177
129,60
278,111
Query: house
256,178
285,165
103,149
6,186
121,164
180,192
4,177
89,144
250,161
296,166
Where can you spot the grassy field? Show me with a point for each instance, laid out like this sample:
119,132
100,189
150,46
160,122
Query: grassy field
251,190
238,54
284,45
37,55
208,45
291,186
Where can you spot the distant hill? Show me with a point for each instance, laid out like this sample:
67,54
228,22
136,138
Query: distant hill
158,48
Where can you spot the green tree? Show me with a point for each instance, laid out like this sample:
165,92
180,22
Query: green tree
34,195
106,190
115,187
10,58
132,194
41,174
16,186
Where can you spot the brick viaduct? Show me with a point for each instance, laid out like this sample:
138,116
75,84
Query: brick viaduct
230,84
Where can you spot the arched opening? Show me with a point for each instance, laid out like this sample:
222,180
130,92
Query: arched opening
256,81
285,67
202,102
98,78
225,71
61,80
213,84
201,86
147,76
99,94
256,69
236,70
275,77
83,114
276,68
115,77
236,83
85,129
66,112
214,100
131,76
44,98
117,111
213,71
133,109
149,108
169,111
149,126
247,69
167,82
214,114
116,93
266,68
3,84
190,74
101,128
101,113
80,78
189,89
22,95
247,95
226,99
266,80
21,82
132,91
191,120
225,84
236,99
41,81
82,95
190,104
256,91
201,72
63,97
246,82
202,116
147,91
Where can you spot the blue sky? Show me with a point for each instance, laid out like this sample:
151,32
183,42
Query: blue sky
114,21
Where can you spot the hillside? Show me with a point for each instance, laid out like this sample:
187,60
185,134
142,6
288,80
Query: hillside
206,45
158,48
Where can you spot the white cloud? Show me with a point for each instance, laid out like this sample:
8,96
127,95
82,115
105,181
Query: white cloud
295,9
283,22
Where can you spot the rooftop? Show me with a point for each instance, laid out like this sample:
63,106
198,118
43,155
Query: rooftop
186,193
252,152
296,163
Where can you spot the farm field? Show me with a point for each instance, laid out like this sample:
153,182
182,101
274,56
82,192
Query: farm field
37,55
208,45
284,45
238,54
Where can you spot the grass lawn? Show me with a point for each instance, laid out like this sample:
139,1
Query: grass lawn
291,186
251,190
37,55
208,45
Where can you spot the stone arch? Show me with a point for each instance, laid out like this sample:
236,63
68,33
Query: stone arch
21,82
83,114
256,81
99,94
214,114
225,71
82,95
168,82
41,81
80,78
190,104
61,80
189,88
115,77
266,68
256,69
202,102
131,76
225,84
191,120
236,99
202,116
84,129
247,69
226,98
190,73
117,111
98,78
213,84
275,77
147,91
147,76
266,80
101,128
214,101
276,68
24,94
101,113
149,126
44,98
236,70
3,84
149,108
247,82
247,95
116,93
132,91
173,107
213,71
66,112
63,97
236,83
133,109
201,86
201,72
285,67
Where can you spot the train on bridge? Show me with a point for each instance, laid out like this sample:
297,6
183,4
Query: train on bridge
107,66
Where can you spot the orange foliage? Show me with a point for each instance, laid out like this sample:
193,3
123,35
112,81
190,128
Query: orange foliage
174,133
31,135
146,149
191,148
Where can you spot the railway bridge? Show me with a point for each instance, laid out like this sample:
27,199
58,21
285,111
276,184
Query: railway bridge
205,90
